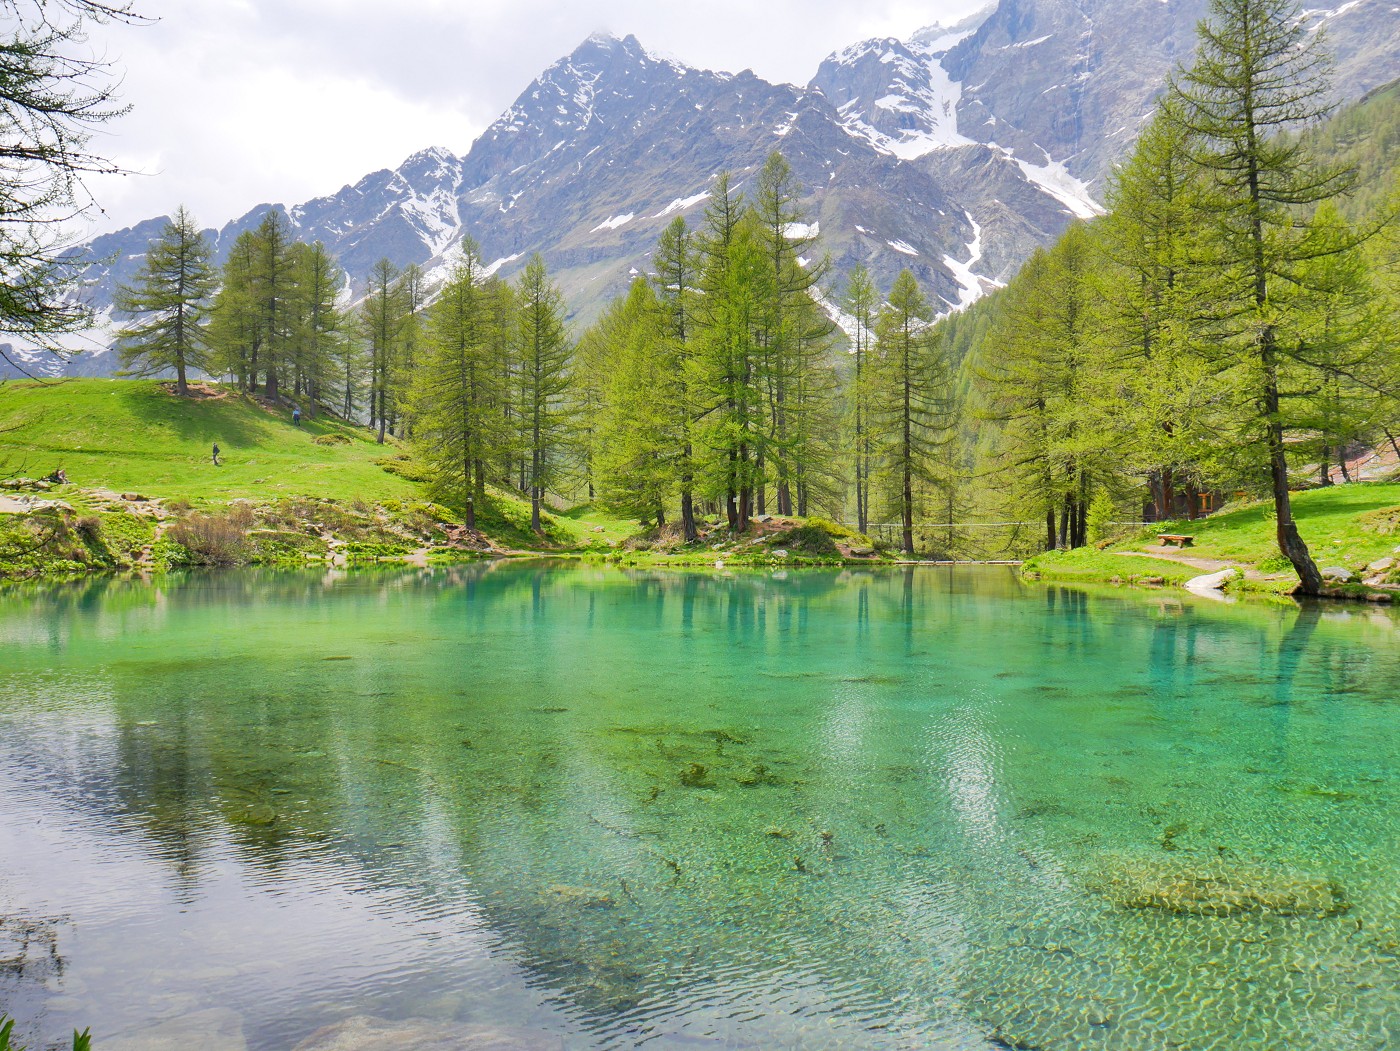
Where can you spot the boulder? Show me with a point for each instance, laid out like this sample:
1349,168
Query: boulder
1381,565
778,552
1338,573
363,1033
862,552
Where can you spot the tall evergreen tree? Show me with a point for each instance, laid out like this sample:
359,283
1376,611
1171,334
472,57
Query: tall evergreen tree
1258,74
676,284
457,387
235,328
544,357
911,412
382,317
316,330
273,289
728,388
860,303
168,304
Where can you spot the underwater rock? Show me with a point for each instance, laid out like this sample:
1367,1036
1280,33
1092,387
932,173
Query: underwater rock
363,1033
696,775
581,897
217,1029
1189,891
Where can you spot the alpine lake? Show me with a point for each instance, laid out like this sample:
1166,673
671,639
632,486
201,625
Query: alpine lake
534,805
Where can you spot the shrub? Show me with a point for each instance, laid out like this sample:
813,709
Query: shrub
331,439
241,514
835,529
212,540
809,539
89,527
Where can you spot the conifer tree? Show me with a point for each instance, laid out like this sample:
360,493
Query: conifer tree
911,414
457,388
316,330
273,288
54,92
860,303
382,317
235,329
543,353
1258,74
730,398
676,286
637,440
168,304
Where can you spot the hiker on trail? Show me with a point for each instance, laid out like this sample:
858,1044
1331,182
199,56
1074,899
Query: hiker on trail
296,415
216,454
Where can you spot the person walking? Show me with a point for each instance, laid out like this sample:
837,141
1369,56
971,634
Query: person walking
296,415
216,454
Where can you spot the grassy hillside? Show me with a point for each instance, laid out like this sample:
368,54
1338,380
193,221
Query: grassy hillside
134,435
1347,526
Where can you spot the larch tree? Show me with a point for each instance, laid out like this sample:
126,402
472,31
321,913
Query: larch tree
910,404
168,304
316,330
273,288
544,355
676,283
235,329
382,317
728,388
53,95
860,303
456,389
1258,75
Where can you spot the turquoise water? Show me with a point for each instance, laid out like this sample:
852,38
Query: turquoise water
901,809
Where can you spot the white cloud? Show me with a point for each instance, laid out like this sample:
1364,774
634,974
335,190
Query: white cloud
241,102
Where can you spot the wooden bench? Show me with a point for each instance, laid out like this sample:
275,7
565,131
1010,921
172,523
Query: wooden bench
1176,539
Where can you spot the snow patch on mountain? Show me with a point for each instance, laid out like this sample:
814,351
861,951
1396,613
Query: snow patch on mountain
1054,178
972,286
614,222
680,204
491,267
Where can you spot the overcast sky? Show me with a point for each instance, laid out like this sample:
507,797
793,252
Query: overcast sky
242,102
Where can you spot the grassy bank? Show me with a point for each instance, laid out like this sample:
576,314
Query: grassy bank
143,491
1346,527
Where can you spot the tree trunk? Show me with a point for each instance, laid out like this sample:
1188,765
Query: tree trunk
688,501
1049,529
1290,543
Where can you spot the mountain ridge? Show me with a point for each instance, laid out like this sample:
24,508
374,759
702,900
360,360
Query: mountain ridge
955,152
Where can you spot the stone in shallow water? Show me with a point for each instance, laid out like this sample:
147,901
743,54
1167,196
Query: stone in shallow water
580,897
217,1029
363,1033
1219,892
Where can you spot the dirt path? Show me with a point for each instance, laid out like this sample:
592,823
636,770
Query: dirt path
1173,554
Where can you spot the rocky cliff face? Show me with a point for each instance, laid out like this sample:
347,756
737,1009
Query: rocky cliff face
954,153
